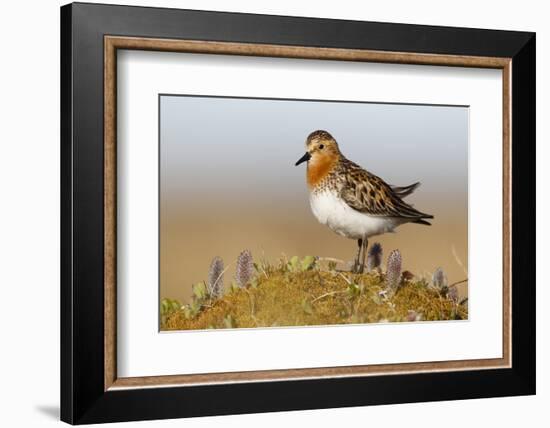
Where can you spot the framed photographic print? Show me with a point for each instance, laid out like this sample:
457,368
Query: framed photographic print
265,213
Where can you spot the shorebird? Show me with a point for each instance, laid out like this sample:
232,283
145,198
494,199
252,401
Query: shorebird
351,201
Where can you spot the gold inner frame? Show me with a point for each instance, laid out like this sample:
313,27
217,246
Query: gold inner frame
113,43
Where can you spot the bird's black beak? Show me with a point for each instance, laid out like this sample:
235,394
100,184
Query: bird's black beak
303,159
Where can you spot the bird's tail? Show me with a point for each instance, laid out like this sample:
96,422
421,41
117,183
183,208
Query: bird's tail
407,209
403,191
422,221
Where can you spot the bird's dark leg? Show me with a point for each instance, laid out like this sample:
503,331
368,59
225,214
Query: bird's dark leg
356,262
365,245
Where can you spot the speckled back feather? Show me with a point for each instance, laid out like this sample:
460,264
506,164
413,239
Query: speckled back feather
369,194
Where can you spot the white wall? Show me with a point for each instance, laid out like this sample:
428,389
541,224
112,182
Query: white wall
29,229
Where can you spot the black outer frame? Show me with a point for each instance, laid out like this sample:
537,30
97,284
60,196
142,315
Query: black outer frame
83,399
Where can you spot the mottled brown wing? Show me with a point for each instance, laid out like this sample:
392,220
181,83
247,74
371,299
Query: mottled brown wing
369,194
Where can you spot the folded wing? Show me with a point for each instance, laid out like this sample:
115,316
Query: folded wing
369,194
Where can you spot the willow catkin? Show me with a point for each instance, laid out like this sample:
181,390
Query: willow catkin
215,278
393,270
244,268
374,257
439,279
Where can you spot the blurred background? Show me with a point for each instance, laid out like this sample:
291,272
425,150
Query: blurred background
228,182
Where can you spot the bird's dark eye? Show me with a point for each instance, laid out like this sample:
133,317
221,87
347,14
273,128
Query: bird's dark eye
321,146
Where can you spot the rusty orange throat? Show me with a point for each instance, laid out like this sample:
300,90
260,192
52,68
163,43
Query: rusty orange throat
319,167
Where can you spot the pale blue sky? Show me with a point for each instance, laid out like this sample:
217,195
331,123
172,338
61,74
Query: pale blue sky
249,146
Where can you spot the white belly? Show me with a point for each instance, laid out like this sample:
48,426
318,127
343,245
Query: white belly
332,211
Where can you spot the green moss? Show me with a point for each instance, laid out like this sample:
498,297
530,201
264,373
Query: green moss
300,294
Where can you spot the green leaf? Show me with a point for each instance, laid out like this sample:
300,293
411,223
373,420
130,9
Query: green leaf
307,307
229,322
163,306
293,264
174,305
234,287
200,291
169,305
192,309
353,289
187,312
308,263
376,299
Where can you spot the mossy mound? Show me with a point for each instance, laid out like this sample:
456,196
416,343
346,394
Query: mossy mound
282,297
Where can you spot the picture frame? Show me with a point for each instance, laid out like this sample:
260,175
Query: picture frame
91,36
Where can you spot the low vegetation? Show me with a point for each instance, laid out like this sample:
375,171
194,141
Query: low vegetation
310,291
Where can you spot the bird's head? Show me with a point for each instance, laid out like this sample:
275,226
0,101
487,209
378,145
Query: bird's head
321,148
